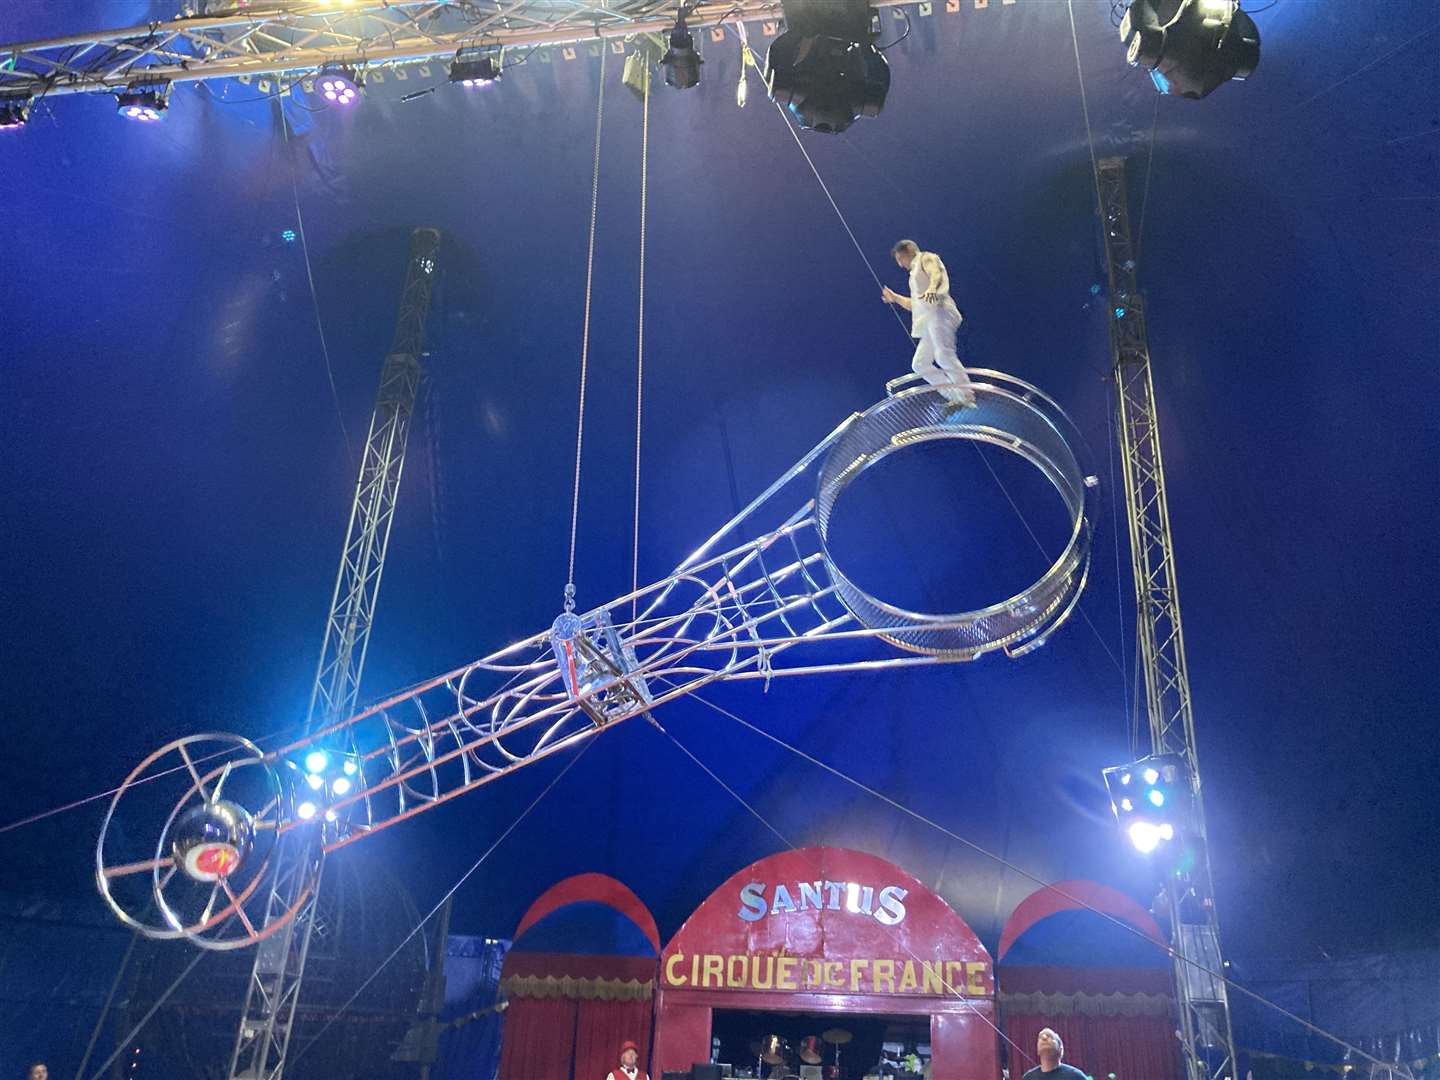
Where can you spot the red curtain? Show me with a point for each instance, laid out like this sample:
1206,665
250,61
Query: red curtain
1131,1047
601,1028
539,1039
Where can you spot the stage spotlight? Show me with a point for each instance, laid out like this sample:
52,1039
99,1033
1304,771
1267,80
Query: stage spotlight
305,811
825,67
146,105
1148,798
338,84
1145,836
474,71
315,761
14,112
682,62
315,780
1190,47
350,767
340,786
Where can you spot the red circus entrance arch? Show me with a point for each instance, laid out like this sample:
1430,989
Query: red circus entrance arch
827,930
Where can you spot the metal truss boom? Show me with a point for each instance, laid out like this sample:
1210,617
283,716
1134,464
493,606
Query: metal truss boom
1205,1030
762,599
281,38
267,1020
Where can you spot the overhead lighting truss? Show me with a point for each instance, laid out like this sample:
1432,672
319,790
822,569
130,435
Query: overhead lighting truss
304,35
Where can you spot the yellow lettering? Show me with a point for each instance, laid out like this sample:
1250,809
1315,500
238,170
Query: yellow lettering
731,978
855,966
769,980
785,973
835,974
670,976
695,970
884,971
934,977
954,978
975,978
714,965
907,977
812,974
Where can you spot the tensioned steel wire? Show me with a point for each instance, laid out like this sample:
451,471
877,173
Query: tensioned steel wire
789,846
585,335
869,266
1037,880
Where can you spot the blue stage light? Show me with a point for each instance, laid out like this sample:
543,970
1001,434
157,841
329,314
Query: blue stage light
1157,797
306,811
316,760
1145,835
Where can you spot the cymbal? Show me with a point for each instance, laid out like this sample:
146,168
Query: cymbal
836,1036
774,1050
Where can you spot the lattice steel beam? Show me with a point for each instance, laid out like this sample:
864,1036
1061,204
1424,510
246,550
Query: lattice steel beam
1205,1030
268,1018
301,35
775,605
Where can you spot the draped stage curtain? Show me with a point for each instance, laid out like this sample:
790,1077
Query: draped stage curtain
1131,1047
539,1039
601,1028
1117,1021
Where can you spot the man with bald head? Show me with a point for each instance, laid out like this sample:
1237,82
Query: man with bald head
1050,1049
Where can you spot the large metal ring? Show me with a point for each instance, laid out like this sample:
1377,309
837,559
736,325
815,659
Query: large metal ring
1007,413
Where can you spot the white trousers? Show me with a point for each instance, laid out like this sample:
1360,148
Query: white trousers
936,360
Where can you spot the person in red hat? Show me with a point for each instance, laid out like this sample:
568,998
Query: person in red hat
629,1064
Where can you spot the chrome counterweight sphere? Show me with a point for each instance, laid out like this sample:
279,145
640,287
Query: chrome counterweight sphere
210,841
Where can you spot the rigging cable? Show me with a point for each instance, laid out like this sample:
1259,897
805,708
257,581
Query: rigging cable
314,296
585,335
640,350
130,1036
444,899
949,989
1104,645
1219,976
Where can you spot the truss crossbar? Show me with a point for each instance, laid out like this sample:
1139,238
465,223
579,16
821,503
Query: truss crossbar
268,1017
291,38
1205,1029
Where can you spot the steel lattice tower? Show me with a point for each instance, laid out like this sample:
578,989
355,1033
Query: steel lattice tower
267,1020
1205,1033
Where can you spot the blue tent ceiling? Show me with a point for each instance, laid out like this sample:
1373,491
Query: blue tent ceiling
176,481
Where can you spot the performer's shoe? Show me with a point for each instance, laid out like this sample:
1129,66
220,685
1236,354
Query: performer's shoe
953,407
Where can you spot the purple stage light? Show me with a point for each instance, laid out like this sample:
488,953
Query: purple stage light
339,86
146,106
14,112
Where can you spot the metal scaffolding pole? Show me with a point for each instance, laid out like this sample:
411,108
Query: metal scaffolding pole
1205,1032
274,988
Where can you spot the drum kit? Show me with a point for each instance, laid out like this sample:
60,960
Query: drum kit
777,1053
